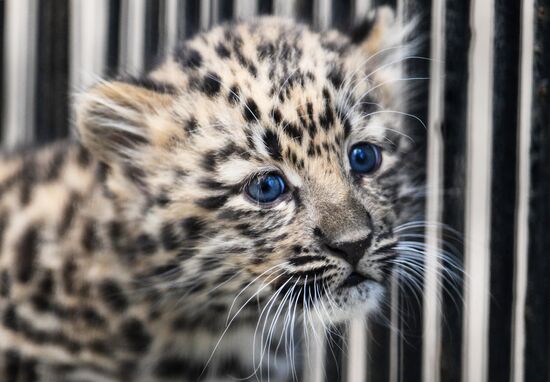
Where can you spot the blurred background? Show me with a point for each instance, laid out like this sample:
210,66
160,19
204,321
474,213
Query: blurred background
487,150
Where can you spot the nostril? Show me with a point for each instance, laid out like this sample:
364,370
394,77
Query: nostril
351,251
335,249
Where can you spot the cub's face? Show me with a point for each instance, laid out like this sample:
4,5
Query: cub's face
265,158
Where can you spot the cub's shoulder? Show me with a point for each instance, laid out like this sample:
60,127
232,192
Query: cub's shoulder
65,163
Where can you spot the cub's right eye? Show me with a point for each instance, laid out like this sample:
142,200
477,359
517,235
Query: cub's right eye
266,188
364,158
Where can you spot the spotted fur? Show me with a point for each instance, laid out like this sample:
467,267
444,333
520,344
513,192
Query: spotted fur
134,254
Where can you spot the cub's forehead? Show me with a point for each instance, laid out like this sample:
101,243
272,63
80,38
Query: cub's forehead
267,57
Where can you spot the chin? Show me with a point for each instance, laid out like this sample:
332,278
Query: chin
348,302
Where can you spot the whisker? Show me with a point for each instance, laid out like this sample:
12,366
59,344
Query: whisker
228,325
267,309
400,113
246,287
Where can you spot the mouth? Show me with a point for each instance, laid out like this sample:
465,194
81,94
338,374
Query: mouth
354,279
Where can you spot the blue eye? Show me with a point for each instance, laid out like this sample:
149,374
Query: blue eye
364,158
266,188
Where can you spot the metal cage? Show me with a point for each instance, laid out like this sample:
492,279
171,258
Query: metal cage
487,108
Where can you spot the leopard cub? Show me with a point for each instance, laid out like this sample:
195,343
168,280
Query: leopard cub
210,211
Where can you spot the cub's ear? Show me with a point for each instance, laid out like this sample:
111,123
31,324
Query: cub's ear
381,44
377,31
115,119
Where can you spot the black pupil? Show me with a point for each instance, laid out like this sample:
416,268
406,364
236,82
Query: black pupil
265,185
361,156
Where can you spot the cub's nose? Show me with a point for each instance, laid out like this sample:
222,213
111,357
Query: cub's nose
351,251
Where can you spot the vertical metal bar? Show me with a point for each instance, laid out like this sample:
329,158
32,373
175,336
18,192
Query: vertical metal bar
506,72
52,62
343,16
182,21
406,345
191,10
265,7
457,36
314,370
132,43
478,196
357,348
395,361
322,18
88,42
432,292
522,201
19,72
153,44
537,307
285,8
391,3
304,11
113,9
378,345
411,346
172,19
225,10
2,74
245,9
334,357
206,13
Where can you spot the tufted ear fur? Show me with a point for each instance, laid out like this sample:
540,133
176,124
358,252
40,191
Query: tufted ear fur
377,31
116,119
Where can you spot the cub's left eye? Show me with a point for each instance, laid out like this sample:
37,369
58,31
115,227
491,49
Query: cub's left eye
364,158
266,188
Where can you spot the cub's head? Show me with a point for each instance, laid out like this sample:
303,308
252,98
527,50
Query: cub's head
265,159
